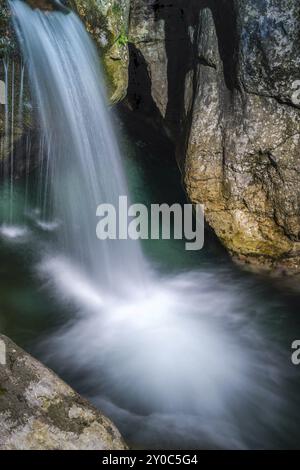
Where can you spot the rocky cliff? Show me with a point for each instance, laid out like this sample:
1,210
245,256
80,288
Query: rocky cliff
38,411
221,78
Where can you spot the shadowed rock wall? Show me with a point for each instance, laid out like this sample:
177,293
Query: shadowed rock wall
221,81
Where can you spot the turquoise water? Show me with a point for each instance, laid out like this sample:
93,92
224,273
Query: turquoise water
257,316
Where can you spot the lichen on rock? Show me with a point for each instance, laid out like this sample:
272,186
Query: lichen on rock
38,411
107,22
222,90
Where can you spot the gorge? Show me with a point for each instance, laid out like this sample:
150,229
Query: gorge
180,350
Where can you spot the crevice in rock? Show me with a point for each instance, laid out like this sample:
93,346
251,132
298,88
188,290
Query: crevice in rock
139,87
178,18
225,18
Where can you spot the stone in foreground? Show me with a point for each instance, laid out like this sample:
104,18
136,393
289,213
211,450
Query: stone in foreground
38,411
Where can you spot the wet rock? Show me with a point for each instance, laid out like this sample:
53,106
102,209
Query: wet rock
107,22
13,125
38,411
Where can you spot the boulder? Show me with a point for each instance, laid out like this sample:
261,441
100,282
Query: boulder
38,411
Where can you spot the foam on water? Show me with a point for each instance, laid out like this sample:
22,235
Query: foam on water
179,358
13,232
47,226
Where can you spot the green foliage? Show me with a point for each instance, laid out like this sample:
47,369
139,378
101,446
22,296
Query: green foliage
122,39
116,8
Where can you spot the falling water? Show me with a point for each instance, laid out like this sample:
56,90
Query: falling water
6,120
27,171
21,96
12,129
82,163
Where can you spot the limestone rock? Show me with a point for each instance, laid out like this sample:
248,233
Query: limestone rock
38,411
221,81
107,22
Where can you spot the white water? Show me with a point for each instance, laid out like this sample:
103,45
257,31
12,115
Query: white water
176,362
81,161
184,366
13,231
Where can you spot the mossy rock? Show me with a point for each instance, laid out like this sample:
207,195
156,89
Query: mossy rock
107,22
38,411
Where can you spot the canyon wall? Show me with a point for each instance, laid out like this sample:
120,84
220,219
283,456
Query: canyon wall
220,77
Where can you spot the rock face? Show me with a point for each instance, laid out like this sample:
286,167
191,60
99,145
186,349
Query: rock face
13,89
222,79
38,411
107,22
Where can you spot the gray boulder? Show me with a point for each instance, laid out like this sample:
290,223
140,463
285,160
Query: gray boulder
38,411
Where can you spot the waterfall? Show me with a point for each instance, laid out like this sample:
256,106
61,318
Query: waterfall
175,363
81,163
